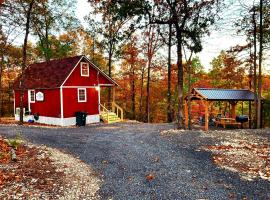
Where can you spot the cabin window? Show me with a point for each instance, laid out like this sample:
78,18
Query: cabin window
81,94
31,96
84,69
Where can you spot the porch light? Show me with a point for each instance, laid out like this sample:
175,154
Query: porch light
97,88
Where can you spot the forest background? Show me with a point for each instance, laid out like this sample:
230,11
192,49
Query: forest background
149,47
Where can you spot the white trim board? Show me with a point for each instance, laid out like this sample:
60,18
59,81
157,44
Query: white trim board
85,95
104,74
81,69
80,86
30,100
61,102
106,85
72,71
94,66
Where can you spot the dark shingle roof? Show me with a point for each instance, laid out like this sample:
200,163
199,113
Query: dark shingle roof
48,74
51,74
225,94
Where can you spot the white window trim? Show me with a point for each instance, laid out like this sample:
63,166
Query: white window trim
79,94
81,69
29,93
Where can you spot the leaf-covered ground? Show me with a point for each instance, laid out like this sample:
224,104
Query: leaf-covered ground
243,151
31,175
38,173
246,152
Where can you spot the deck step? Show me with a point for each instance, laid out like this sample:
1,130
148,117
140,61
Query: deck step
113,118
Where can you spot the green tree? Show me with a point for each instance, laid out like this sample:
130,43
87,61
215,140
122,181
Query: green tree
19,15
191,19
53,16
227,71
111,29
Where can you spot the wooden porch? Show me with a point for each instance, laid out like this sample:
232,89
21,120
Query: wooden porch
110,112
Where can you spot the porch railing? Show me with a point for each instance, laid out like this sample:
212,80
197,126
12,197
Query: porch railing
105,111
113,107
118,110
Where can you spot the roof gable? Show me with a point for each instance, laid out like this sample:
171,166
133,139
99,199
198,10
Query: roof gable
52,74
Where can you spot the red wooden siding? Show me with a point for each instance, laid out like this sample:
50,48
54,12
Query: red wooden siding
50,107
17,99
71,104
76,79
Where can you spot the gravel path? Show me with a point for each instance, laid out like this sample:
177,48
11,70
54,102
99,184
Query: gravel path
136,162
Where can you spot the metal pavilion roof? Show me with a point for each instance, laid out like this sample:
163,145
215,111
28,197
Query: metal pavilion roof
218,94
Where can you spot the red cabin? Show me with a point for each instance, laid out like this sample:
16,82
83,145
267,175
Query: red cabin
56,90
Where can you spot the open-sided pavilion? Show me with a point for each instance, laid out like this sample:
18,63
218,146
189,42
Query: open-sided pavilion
208,95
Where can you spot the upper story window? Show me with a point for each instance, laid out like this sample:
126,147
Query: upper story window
84,69
81,94
31,96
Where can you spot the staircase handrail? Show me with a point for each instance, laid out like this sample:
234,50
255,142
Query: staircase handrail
118,108
104,109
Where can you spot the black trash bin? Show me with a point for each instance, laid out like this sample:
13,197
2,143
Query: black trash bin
80,118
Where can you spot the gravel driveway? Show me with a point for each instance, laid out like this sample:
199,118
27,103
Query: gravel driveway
136,162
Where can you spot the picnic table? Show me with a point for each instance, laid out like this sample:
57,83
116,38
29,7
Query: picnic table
227,121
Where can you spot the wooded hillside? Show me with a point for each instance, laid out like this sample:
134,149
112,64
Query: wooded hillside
149,47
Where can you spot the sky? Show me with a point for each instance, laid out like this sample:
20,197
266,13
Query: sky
222,37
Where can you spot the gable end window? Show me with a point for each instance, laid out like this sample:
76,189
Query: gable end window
32,95
84,69
81,94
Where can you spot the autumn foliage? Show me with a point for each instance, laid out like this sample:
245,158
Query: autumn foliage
31,169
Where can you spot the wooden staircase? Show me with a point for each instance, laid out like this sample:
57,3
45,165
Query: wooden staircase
113,115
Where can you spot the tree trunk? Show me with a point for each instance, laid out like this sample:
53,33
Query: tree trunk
27,27
141,93
169,95
255,68
93,49
133,94
47,55
189,90
110,69
250,87
148,90
260,71
1,74
150,50
180,118
2,47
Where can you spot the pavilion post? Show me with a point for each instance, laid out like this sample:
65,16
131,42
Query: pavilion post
186,113
234,103
206,113
249,114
